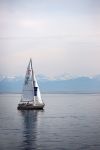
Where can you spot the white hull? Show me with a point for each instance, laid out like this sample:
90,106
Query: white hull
29,106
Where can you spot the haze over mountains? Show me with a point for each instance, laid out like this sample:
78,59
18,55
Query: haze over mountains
57,84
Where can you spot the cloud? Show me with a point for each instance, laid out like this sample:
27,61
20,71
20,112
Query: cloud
61,37
33,24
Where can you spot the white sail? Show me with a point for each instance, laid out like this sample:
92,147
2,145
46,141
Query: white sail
38,97
31,92
28,88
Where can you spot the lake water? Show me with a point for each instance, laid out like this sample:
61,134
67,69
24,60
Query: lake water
68,122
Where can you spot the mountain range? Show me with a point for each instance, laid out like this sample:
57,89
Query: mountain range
59,84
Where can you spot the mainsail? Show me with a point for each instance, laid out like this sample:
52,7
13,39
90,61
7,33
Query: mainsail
31,92
28,92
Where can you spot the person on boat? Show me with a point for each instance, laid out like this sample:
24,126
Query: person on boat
28,103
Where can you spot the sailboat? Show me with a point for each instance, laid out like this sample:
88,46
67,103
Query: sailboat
31,96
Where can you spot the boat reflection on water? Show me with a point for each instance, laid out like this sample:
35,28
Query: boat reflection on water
30,118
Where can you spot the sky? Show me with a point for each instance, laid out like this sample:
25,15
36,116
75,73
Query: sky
61,36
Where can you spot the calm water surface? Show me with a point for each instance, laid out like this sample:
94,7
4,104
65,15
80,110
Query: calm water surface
68,122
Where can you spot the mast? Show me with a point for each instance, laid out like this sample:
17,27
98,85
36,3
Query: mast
32,75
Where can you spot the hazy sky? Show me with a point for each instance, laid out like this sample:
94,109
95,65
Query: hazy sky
61,36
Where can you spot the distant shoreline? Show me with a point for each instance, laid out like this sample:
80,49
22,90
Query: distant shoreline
57,92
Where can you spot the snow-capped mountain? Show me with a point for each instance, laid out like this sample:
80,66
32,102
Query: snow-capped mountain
57,84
